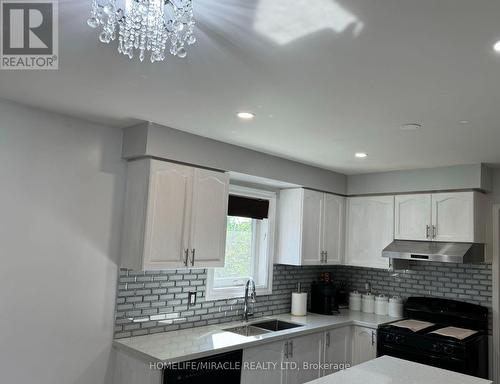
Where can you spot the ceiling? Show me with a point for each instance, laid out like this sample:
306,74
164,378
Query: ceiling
325,78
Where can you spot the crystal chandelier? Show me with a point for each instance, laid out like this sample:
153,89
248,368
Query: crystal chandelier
145,25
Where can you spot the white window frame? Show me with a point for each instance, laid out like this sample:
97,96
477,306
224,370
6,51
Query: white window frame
212,293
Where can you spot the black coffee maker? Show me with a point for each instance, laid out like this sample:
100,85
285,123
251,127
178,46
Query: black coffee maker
324,298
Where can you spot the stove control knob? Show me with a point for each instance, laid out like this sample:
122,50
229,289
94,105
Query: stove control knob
448,349
389,337
399,339
436,347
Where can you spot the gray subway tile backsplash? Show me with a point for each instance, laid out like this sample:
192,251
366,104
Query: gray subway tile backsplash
156,301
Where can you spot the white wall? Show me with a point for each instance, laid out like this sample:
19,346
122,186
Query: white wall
496,185
61,187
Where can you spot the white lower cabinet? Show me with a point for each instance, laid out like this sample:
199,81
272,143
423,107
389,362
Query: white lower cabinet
262,364
285,361
364,344
337,350
305,358
129,369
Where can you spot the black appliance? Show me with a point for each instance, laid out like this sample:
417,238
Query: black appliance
468,356
224,368
323,298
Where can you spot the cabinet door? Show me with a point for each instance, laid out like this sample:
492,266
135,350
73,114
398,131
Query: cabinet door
305,354
311,227
370,228
338,350
208,219
333,228
364,347
453,216
412,217
167,223
267,355
290,226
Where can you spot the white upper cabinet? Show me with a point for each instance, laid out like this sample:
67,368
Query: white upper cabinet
333,224
312,207
412,217
311,227
208,218
165,242
456,216
175,216
369,229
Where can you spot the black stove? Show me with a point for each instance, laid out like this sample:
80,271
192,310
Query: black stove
468,355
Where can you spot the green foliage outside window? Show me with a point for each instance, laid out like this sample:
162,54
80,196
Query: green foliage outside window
238,262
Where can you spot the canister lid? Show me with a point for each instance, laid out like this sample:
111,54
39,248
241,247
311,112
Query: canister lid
368,296
355,294
381,298
396,299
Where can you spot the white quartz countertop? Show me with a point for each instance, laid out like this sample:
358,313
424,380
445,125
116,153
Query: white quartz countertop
389,370
197,342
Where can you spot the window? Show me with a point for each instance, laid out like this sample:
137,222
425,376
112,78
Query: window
249,245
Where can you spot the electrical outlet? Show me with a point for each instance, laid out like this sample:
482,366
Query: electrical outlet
191,298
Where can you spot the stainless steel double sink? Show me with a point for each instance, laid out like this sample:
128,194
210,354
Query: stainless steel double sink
262,327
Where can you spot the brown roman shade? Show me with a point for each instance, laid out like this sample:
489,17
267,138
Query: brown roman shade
248,207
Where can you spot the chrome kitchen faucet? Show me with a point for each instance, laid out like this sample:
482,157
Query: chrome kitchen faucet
246,310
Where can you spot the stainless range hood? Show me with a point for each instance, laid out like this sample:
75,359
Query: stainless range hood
466,253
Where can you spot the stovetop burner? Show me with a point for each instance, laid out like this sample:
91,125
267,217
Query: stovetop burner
455,332
434,331
413,325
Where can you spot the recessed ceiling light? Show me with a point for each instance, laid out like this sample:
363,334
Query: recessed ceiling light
361,155
464,121
410,127
245,115
496,46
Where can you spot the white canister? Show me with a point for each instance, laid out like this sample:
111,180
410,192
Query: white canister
395,306
381,305
355,301
368,303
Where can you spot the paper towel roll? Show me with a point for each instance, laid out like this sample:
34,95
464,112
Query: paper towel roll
299,304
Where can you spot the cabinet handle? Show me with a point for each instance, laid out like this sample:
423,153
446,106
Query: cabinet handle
427,231
322,256
291,348
286,350
192,257
434,231
326,256
186,256
373,338
328,339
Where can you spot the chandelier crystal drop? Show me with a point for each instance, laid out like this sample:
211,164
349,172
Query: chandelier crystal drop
145,26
